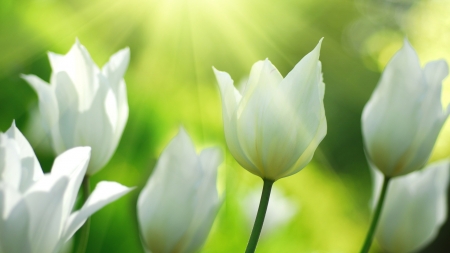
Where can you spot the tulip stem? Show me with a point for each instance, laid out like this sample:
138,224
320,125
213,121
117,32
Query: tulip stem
257,226
84,233
376,216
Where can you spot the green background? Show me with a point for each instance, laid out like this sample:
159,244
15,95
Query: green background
174,44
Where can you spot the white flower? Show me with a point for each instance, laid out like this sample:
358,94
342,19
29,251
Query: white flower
177,207
36,208
415,208
273,127
279,212
83,105
404,116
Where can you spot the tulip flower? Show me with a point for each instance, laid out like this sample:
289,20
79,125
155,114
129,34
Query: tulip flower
83,105
273,128
177,207
415,208
36,208
404,115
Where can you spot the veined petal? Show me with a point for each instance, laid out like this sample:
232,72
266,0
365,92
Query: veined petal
308,153
30,170
45,202
103,194
73,164
14,221
390,120
253,110
172,185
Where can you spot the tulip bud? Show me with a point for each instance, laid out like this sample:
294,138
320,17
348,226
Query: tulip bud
83,105
36,208
404,115
274,127
414,210
177,207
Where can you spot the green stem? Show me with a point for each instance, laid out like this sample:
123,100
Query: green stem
84,233
376,216
257,227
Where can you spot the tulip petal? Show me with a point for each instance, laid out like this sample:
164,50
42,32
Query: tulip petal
10,162
303,85
116,67
45,202
253,109
30,170
230,95
104,193
73,164
97,135
117,107
67,99
172,186
48,107
389,118
14,221
283,131
207,203
230,101
78,64
415,209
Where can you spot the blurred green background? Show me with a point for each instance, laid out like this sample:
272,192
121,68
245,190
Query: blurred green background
170,83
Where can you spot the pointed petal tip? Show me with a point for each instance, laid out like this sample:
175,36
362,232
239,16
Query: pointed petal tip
319,45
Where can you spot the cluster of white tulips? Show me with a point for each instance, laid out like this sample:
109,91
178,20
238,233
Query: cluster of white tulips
272,128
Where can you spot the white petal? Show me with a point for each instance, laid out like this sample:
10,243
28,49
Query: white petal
166,204
95,129
67,98
78,64
10,162
73,164
230,95
31,170
122,113
103,194
278,125
116,67
47,101
230,101
45,202
14,221
415,209
207,203
390,122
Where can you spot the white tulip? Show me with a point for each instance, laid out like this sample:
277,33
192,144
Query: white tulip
36,208
273,128
404,115
177,207
415,208
83,105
